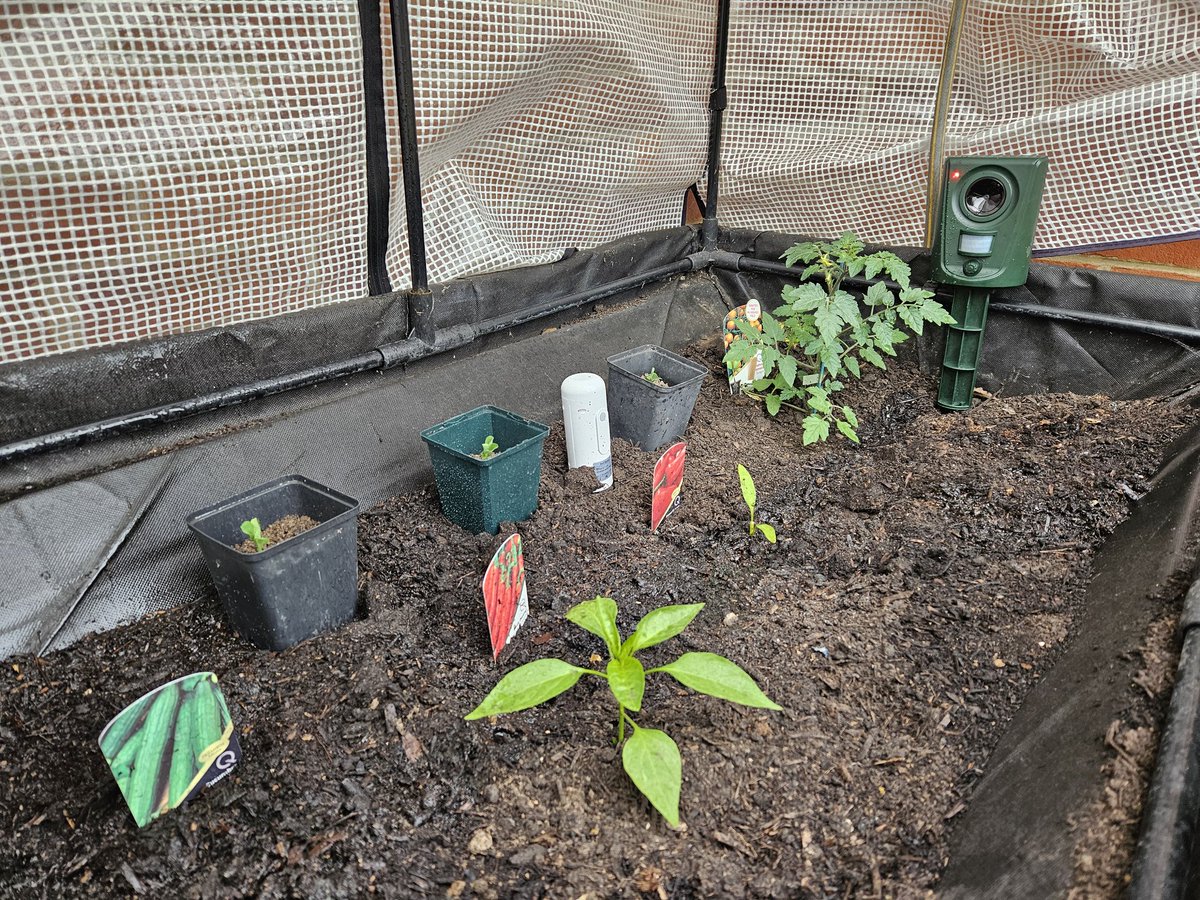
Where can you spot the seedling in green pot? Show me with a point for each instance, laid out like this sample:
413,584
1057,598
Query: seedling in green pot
750,495
650,757
489,447
253,530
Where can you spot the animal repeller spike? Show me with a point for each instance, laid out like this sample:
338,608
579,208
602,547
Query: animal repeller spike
585,419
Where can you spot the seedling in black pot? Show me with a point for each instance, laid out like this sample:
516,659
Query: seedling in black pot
252,529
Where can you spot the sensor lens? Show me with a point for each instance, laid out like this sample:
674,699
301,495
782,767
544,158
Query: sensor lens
984,197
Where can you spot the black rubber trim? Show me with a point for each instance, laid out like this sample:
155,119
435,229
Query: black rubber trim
379,182
1166,855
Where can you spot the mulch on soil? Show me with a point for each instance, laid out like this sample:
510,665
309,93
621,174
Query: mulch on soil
921,583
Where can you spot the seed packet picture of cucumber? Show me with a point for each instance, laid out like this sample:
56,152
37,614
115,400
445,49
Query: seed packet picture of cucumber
169,744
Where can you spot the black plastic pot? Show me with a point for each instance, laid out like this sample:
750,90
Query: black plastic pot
479,494
644,413
296,588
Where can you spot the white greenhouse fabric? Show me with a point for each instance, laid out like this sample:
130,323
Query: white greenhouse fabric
171,166
831,109
176,165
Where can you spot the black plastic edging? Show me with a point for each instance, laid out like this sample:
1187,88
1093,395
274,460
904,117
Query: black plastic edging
1044,252
716,112
378,358
418,348
378,175
1162,867
1183,333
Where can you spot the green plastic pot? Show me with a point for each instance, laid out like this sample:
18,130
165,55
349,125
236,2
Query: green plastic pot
479,494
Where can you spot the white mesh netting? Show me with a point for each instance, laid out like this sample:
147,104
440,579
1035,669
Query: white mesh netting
169,166
831,109
550,125
172,166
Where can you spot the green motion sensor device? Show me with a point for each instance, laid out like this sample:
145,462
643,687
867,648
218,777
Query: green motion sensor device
983,238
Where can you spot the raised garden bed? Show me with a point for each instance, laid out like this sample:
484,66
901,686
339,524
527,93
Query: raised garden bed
920,584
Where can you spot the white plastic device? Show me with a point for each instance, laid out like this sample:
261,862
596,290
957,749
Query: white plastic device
585,416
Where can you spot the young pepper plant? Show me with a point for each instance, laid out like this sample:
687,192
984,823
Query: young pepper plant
821,334
650,757
750,495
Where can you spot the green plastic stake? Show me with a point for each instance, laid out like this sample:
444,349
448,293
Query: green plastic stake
969,306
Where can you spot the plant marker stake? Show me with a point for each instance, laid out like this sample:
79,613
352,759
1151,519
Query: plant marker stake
751,370
170,744
667,486
504,594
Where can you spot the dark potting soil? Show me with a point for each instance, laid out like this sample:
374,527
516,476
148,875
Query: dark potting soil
921,583
280,530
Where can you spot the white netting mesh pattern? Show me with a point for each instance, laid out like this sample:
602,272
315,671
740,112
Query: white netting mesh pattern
550,125
174,165
169,166
831,107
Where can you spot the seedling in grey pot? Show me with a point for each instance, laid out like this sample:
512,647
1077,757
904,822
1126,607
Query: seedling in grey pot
252,529
654,378
650,757
750,495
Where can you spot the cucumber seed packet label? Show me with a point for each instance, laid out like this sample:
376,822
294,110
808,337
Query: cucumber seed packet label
168,744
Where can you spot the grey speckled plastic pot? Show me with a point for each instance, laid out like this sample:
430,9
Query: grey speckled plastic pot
644,413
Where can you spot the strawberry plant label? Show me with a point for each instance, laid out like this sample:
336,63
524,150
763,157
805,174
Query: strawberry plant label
668,484
504,594
751,370
171,743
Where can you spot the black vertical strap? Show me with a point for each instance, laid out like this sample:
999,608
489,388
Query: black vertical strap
716,107
379,180
409,158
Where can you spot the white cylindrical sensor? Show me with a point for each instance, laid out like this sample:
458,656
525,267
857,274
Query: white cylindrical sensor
585,416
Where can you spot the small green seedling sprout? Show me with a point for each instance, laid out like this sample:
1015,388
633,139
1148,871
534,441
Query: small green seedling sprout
253,530
489,447
750,495
653,377
650,757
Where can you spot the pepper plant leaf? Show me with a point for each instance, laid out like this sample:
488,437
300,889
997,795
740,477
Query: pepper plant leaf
526,686
599,616
627,680
713,674
652,761
660,625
